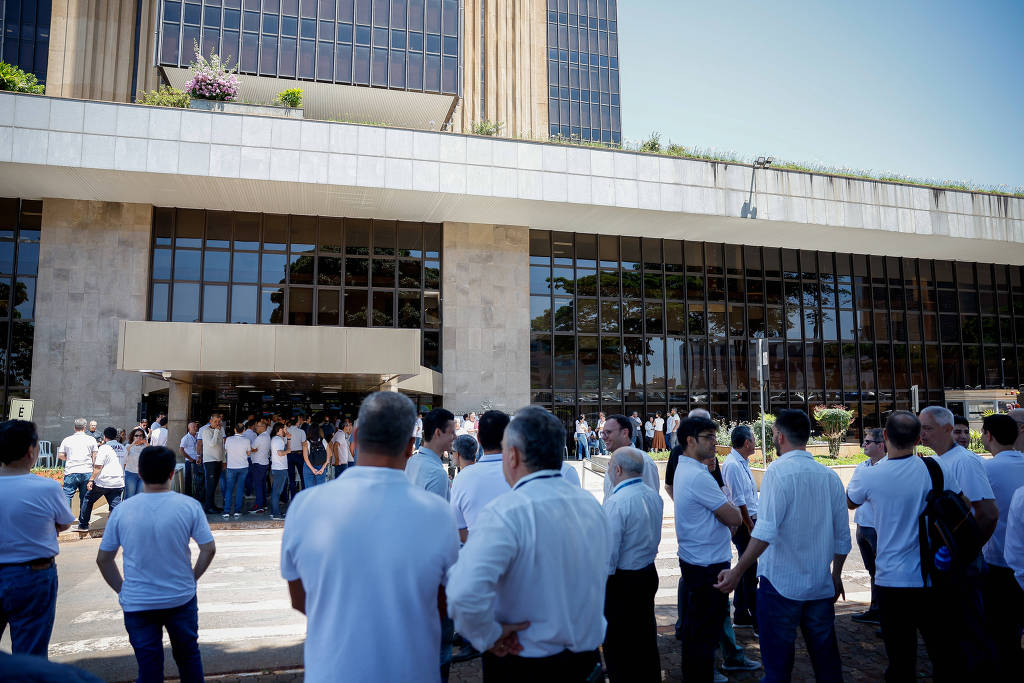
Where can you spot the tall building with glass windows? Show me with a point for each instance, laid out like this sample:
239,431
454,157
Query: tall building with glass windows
262,263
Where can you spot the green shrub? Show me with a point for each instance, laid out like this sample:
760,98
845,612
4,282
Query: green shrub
15,80
164,96
651,144
675,150
485,127
834,422
292,97
769,422
976,445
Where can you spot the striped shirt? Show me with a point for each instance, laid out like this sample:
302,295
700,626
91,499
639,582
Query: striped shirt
804,520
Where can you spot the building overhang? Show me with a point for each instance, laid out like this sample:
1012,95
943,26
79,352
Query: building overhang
275,357
338,102
60,148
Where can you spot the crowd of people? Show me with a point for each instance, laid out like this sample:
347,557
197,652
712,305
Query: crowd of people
528,568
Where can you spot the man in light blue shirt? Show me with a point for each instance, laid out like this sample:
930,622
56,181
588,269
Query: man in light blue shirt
1003,597
634,516
742,492
802,531
424,468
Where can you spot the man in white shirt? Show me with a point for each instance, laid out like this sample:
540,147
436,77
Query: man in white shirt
1004,599
1013,549
867,537
370,639
528,588
193,468
618,433
77,452
158,436
260,466
896,488
210,447
417,430
477,486
637,432
634,516
32,513
296,437
704,520
107,479
424,468
671,425
158,590
803,530
742,493
341,451
964,599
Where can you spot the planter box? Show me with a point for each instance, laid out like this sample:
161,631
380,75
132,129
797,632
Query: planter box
242,108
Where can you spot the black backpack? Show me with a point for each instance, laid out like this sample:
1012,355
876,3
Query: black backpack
317,453
946,521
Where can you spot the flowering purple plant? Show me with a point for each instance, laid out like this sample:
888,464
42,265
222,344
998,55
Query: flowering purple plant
212,79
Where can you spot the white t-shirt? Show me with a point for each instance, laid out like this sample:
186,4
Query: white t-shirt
896,490
237,449
30,506
649,429
120,450
278,445
156,575
262,445
131,460
659,424
969,471
475,487
344,452
389,629
702,539
112,475
158,437
78,449
296,437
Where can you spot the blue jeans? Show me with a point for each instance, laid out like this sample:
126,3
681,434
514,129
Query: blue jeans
419,440
340,469
146,631
778,618
279,479
309,479
28,602
77,482
581,446
670,440
132,484
258,474
113,497
233,499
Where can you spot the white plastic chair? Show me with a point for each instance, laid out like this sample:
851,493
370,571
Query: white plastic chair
45,455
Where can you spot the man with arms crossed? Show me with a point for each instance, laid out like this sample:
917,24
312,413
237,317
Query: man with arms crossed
802,531
528,588
742,493
634,520
389,540
158,590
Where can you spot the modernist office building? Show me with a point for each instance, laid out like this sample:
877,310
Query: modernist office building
196,259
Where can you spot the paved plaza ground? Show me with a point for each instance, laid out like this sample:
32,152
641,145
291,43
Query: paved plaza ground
247,624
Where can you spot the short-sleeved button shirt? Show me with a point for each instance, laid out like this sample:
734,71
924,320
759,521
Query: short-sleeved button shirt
703,539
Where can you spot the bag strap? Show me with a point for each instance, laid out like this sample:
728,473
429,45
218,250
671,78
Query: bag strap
935,472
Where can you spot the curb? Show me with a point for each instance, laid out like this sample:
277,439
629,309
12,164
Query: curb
72,535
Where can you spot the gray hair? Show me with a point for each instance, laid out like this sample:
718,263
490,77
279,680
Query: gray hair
875,433
699,412
630,459
466,446
386,419
539,436
80,424
942,416
740,435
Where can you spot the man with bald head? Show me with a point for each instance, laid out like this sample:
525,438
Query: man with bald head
634,520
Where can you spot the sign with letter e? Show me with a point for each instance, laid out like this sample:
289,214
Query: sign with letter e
21,409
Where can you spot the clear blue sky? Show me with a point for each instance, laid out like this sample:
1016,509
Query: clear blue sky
928,89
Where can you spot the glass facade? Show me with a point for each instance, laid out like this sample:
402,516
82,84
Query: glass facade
583,70
399,44
19,264
25,35
628,323
216,266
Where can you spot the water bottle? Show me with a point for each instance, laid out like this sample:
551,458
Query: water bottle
943,559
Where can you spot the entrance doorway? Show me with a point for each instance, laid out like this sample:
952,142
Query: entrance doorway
239,404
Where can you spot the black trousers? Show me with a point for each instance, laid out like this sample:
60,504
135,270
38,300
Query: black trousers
295,465
631,641
904,613
704,609
745,597
1004,618
564,667
867,542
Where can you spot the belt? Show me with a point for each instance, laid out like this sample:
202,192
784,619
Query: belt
41,563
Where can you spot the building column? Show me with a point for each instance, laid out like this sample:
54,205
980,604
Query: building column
93,272
486,317
179,402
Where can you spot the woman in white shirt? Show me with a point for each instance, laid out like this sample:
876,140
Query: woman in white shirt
278,467
341,455
658,444
582,429
236,453
648,433
314,455
132,480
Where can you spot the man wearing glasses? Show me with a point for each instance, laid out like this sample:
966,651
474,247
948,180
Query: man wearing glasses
864,517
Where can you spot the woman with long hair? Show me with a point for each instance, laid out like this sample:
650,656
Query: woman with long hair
132,480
